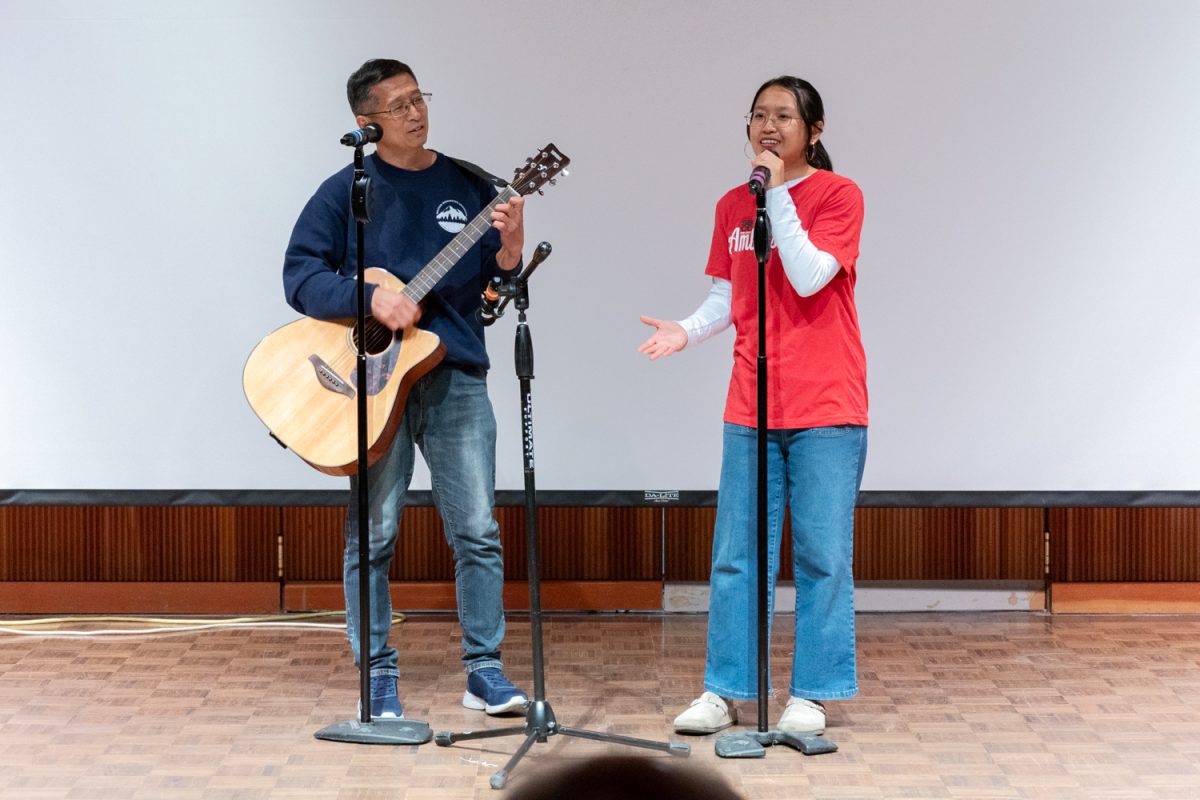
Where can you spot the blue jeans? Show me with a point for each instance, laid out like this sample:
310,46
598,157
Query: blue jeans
449,417
818,471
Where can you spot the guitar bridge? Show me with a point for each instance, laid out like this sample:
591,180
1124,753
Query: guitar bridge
328,378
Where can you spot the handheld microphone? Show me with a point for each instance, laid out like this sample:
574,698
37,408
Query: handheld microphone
486,313
759,178
368,133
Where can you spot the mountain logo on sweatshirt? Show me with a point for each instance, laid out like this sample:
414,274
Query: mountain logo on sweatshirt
451,216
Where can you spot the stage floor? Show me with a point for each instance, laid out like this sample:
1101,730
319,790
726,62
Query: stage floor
951,705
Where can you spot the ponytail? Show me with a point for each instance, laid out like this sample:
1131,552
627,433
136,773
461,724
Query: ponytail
818,157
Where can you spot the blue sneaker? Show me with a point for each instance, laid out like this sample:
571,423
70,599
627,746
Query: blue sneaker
488,690
385,703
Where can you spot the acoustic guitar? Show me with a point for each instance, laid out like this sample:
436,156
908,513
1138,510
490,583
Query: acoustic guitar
301,379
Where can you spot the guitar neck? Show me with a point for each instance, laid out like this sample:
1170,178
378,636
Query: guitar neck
455,249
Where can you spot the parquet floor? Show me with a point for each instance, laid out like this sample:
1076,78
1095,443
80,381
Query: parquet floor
1013,705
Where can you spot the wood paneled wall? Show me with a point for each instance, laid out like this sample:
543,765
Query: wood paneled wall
895,544
1125,544
582,544
941,544
136,543
282,545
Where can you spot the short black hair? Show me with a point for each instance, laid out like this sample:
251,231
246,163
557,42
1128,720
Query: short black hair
363,79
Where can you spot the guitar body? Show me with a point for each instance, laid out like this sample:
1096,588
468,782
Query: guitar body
300,381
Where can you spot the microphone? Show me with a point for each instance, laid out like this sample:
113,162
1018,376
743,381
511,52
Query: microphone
486,313
539,255
759,179
496,294
368,133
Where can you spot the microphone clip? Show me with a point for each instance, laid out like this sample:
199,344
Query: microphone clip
490,308
497,294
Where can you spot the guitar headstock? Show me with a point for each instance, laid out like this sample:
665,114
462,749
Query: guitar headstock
540,170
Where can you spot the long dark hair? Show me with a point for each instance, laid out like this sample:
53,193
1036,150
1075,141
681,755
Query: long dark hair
812,111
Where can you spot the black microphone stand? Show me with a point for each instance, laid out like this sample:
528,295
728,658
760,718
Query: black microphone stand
366,730
540,723
753,744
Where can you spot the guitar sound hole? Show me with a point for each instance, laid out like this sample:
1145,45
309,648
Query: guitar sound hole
379,337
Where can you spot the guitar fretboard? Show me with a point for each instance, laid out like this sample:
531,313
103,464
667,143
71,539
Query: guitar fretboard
455,249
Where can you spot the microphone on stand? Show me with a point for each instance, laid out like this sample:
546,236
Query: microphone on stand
360,136
539,255
759,178
496,294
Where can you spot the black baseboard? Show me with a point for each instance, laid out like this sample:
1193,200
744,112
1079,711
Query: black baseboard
598,498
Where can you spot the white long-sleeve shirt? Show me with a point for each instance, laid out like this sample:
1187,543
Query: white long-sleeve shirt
808,269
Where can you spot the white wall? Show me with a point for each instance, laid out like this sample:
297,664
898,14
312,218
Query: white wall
1028,282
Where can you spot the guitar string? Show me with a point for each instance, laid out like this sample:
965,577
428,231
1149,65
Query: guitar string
442,262
379,337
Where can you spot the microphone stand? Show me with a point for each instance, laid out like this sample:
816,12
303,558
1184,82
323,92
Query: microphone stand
540,723
753,744
366,730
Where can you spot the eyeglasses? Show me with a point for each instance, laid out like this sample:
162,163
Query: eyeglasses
759,118
399,110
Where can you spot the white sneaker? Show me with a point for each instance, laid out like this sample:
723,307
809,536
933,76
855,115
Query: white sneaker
803,716
708,713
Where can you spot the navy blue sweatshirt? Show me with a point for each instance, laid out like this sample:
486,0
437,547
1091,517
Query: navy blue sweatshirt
414,213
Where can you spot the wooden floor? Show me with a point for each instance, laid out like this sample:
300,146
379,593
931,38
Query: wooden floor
1016,705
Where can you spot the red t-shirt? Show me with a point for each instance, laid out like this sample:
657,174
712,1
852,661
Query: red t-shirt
816,367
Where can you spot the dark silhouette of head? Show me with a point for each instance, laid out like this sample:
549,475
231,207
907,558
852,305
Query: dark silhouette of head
622,777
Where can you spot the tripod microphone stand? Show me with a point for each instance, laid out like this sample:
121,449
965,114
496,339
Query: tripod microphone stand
365,730
753,744
540,723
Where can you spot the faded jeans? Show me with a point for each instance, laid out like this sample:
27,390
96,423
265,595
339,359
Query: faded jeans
449,417
818,471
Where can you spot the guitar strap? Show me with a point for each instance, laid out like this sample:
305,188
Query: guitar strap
499,183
